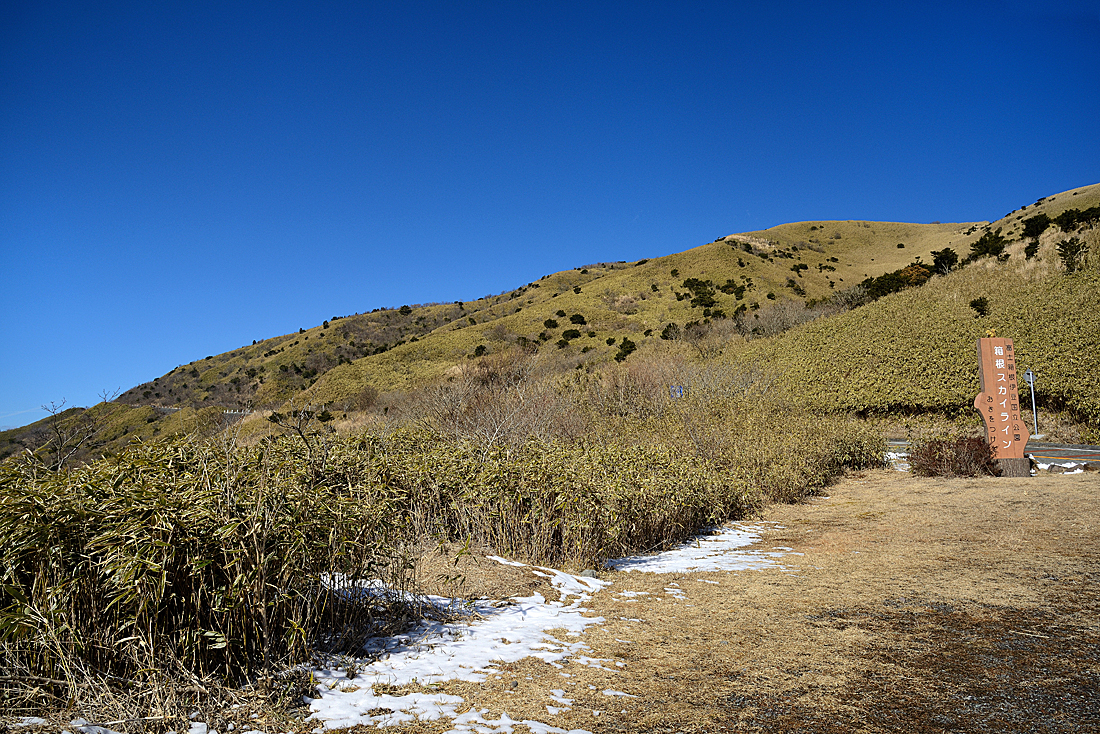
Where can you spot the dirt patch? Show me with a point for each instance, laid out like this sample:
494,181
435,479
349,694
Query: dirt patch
916,605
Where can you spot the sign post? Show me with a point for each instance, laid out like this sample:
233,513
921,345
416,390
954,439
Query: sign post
1029,378
999,405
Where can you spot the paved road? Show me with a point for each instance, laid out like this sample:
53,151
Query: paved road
1045,453
1061,453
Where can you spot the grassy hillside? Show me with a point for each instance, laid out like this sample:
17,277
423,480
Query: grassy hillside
83,433
637,300
750,282
914,350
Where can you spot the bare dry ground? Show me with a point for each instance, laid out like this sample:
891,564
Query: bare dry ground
922,605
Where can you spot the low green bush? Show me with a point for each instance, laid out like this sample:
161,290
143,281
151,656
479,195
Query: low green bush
220,560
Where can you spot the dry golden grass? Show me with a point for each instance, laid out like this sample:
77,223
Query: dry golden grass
917,605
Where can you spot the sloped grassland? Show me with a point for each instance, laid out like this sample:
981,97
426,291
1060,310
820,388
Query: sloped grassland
914,351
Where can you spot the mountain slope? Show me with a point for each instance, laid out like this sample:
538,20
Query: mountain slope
348,360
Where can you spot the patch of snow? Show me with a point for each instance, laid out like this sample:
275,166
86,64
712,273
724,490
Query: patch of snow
468,650
898,460
490,633
723,551
506,562
1071,467
82,726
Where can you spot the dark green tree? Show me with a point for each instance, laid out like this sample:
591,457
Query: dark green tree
945,260
625,349
1072,252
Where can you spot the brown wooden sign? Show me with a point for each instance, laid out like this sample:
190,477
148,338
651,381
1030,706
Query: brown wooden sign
999,401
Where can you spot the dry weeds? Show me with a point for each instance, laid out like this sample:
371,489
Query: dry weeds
924,605
918,605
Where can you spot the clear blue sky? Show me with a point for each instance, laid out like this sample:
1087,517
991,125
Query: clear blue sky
180,178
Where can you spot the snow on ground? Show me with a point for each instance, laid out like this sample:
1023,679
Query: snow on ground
470,650
1071,467
495,632
898,460
722,551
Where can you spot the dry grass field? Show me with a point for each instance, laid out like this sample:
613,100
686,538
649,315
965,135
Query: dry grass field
918,605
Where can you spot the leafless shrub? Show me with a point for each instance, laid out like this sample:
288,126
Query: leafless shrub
365,398
622,303
710,339
957,457
781,316
641,388
638,388
850,298
500,401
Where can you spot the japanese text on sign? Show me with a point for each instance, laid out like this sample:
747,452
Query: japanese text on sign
999,402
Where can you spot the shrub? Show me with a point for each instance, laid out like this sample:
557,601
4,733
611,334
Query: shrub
702,293
980,306
626,347
570,334
990,244
1072,253
957,457
560,313
183,555
1035,226
1071,219
945,260
577,319
912,275
480,350
550,324
671,332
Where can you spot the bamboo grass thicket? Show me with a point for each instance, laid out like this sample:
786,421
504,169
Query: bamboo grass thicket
213,560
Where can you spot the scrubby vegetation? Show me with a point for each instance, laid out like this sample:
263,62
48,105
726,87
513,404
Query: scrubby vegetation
215,560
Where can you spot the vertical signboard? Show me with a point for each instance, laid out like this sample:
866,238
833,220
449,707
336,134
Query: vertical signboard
999,404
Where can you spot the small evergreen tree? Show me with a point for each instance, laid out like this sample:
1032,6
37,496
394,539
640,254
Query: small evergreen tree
945,260
1072,253
625,348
